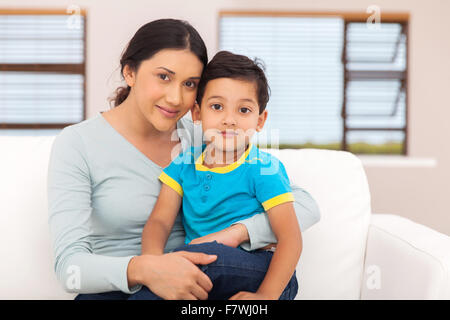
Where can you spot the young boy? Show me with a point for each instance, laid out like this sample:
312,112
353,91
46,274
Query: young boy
229,179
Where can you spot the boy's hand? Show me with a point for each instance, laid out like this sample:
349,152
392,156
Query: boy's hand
231,236
244,295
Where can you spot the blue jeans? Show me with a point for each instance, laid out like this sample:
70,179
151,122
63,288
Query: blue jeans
234,270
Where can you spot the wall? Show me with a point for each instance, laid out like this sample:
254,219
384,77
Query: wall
417,192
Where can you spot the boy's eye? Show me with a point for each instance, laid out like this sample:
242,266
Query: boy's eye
245,110
216,106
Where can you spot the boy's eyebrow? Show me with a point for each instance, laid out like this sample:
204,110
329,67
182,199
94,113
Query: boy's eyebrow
215,97
248,100
173,72
243,99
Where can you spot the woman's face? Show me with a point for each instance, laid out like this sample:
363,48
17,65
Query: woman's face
164,87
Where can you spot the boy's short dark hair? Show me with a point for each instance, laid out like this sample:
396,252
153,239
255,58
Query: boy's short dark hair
234,66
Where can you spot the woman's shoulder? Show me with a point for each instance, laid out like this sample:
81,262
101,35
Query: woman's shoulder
84,127
80,134
189,134
186,123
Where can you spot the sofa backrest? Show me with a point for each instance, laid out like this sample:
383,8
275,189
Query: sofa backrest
26,271
331,265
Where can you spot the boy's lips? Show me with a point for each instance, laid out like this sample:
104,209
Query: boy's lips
228,133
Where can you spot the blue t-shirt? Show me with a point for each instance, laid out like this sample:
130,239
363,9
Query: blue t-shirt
215,198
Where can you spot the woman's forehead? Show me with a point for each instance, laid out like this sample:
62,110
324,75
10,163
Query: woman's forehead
181,63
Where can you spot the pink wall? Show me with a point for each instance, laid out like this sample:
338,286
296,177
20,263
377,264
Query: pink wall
415,192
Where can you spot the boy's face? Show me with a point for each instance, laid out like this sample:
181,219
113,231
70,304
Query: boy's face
229,113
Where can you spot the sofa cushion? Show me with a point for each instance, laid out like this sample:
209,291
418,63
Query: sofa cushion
331,264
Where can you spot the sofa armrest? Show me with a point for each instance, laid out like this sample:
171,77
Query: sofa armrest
405,260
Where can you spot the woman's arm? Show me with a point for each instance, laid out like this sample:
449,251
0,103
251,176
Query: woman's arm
160,222
69,204
77,267
285,259
256,233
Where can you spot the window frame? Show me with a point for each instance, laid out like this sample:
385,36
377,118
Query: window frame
348,17
47,68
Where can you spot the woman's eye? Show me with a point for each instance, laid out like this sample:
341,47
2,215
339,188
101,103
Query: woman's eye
245,110
191,84
163,76
216,106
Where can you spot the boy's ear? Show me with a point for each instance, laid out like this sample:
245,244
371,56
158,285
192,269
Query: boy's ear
195,112
261,120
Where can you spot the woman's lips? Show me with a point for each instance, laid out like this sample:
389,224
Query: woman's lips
167,112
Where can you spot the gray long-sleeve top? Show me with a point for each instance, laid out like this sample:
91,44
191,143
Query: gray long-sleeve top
101,190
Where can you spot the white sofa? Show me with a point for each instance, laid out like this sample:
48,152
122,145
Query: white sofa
349,254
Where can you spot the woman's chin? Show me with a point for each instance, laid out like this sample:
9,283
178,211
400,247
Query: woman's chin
163,124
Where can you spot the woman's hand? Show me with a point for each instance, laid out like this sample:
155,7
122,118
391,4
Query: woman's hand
172,276
244,295
231,236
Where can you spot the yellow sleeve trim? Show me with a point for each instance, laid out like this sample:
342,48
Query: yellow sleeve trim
282,198
171,183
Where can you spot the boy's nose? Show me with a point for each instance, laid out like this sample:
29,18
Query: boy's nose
229,120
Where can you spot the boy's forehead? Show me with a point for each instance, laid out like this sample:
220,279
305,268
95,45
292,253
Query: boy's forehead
228,88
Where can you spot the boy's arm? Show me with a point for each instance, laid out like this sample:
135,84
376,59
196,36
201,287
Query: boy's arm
161,220
284,261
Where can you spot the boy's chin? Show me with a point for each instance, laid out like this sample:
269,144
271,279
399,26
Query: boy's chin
229,147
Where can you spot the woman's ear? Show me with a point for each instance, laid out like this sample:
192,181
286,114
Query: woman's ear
195,112
261,120
129,75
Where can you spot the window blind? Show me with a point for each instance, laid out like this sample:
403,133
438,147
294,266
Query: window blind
29,98
375,91
308,74
304,71
41,69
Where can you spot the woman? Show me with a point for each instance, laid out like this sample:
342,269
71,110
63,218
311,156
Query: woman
103,178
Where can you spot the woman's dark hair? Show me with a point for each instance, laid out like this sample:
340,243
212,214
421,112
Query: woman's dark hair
234,66
153,37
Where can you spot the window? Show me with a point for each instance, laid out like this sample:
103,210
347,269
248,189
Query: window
42,69
336,82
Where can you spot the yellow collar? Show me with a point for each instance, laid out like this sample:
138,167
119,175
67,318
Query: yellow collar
228,168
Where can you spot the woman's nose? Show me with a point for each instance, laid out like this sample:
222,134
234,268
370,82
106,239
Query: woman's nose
173,95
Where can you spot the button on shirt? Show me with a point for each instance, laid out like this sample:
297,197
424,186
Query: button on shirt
215,198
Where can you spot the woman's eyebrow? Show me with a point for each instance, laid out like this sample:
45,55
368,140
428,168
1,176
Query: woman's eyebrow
173,72
169,71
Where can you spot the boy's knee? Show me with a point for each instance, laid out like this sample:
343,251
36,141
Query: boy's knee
205,247
225,254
